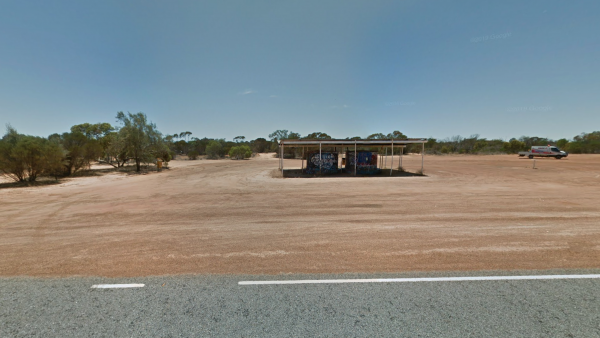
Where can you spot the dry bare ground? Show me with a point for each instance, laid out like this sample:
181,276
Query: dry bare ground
468,213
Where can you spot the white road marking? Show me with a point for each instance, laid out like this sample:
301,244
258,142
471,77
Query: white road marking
116,286
412,280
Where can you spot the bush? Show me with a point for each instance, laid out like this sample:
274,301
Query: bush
27,157
214,149
193,155
514,146
240,152
166,156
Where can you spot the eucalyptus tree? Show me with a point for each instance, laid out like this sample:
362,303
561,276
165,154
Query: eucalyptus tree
10,165
80,150
27,157
142,141
317,136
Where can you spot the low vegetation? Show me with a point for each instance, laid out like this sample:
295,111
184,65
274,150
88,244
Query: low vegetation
240,152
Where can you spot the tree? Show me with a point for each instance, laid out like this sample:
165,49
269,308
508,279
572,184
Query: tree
214,149
93,131
260,145
318,136
54,160
585,143
142,141
199,145
279,135
562,143
166,157
430,143
514,146
238,139
396,135
27,157
240,152
80,150
180,147
100,132
10,165
534,141
115,149
377,136
39,156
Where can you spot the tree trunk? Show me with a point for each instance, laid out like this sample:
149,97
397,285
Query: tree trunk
137,165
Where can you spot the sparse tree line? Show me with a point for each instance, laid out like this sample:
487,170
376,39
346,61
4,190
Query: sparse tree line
585,143
26,157
136,140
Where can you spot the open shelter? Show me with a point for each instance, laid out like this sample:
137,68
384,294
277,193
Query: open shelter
351,148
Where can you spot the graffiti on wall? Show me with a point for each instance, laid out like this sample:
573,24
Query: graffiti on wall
366,163
326,162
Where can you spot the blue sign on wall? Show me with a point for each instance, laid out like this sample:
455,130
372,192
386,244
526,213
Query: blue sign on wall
366,164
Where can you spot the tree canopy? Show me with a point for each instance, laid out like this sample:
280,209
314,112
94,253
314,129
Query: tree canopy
25,157
142,142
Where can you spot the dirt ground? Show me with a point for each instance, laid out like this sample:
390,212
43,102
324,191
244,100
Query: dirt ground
468,213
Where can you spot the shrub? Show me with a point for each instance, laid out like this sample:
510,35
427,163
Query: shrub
214,149
240,152
27,157
193,155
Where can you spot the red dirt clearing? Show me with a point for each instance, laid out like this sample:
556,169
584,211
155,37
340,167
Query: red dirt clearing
469,213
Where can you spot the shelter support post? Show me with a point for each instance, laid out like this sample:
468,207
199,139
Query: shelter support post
401,153
392,164
355,159
281,159
422,156
320,158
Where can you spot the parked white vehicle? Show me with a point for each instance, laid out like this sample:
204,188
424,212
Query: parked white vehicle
544,151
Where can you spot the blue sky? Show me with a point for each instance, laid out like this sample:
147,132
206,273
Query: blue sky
500,69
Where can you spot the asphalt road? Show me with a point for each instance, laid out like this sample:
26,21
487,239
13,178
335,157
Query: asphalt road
216,306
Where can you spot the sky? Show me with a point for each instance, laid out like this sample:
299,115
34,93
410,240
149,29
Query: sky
221,69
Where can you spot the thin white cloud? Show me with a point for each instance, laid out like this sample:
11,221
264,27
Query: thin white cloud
247,91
